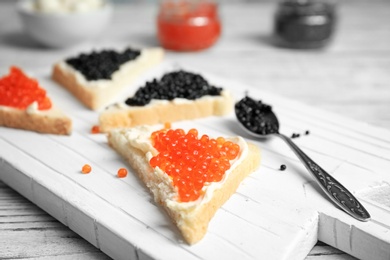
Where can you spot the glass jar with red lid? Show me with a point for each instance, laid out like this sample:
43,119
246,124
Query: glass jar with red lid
188,25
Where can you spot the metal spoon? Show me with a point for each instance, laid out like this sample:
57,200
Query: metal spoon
258,120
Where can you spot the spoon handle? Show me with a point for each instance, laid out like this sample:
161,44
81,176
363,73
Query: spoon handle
335,190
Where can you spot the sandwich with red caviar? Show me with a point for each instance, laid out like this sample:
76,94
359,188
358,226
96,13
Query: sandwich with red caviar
24,104
190,175
177,95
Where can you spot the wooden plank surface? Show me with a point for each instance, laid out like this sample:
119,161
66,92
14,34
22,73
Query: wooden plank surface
284,211
355,67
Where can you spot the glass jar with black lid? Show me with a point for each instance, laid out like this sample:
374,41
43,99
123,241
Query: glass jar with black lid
304,24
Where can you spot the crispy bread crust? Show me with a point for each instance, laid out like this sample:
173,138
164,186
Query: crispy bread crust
193,223
194,227
117,117
88,96
52,121
95,97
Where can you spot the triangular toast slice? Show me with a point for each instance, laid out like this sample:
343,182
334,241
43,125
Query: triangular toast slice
25,105
177,95
176,185
96,78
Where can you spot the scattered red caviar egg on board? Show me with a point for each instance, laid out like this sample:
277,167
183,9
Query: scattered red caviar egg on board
19,91
190,161
86,168
95,129
122,172
167,125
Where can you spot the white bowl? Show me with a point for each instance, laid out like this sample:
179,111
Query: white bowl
60,30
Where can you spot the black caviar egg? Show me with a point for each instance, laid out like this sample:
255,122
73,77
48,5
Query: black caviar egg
295,135
176,84
101,65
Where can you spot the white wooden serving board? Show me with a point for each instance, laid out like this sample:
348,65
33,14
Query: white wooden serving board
273,215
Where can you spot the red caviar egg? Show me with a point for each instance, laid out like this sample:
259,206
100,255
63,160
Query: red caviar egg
191,161
86,168
19,91
122,172
95,129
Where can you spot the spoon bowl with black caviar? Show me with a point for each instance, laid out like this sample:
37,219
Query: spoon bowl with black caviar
260,121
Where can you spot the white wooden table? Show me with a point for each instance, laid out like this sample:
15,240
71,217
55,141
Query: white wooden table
350,78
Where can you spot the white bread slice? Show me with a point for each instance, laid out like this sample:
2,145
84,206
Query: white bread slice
97,94
192,218
158,112
51,121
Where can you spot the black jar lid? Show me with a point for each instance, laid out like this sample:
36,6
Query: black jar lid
305,7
